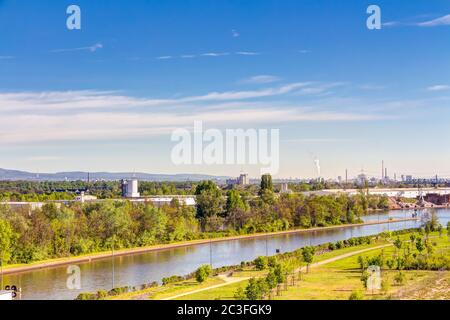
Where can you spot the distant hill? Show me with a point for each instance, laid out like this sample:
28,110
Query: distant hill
110,176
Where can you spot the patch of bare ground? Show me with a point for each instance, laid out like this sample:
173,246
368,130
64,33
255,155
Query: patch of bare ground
434,286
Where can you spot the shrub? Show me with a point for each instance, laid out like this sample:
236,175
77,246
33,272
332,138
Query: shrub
356,295
256,289
203,273
240,294
172,279
272,261
261,263
87,296
102,294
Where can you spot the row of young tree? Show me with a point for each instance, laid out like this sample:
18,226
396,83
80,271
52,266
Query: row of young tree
76,229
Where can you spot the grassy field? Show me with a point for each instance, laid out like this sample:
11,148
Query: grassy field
162,292
335,280
338,279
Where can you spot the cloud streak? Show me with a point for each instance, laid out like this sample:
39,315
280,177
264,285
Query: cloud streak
441,21
92,48
40,117
261,79
439,87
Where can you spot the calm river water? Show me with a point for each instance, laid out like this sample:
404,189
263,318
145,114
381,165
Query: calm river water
143,268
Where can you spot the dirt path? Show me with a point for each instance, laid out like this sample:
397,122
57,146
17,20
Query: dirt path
109,255
230,280
343,256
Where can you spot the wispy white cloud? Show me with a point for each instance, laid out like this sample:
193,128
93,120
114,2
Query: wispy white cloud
30,117
23,128
214,54
59,101
261,79
247,53
235,33
413,22
439,87
164,58
188,56
208,54
92,48
441,21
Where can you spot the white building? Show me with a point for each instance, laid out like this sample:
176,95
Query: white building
285,188
84,197
130,189
242,180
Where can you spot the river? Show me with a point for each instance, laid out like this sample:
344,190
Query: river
137,269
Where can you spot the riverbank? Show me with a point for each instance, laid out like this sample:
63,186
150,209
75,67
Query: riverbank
15,269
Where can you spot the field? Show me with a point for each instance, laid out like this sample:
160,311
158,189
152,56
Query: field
337,280
333,275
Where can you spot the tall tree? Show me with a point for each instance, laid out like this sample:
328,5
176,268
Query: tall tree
6,237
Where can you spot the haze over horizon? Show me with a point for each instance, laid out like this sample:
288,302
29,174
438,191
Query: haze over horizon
108,97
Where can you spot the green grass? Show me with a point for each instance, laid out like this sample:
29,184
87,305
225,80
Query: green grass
338,279
169,290
335,280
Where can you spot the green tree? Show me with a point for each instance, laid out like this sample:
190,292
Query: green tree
266,183
203,273
261,263
240,294
420,245
448,229
272,279
256,289
209,200
6,239
234,201
308,256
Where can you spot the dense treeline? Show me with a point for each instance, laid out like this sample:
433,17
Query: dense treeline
75,229
32,191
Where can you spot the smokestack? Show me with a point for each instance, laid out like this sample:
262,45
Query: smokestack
382,170
317,163
385,173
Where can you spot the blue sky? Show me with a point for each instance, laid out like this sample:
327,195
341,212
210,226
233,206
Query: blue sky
108,96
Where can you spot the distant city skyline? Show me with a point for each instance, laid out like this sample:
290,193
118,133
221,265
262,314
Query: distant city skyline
107,97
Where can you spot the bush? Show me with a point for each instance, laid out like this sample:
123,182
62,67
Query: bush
240,294
203,273
272,261
87,296
356,295
172,279
102,294
261,263
256,289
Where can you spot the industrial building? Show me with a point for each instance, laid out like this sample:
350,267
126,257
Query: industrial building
130,189
242,180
